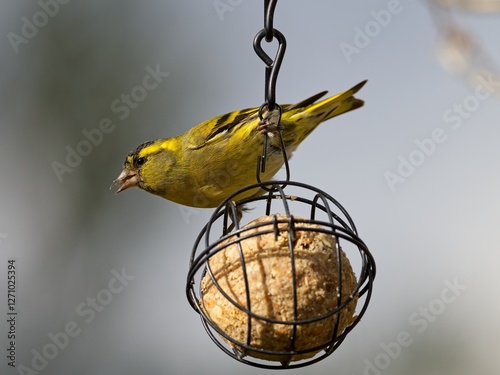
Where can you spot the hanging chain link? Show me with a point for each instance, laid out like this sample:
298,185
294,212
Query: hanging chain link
273,117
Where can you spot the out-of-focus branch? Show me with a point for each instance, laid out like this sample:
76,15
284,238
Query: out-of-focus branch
457,50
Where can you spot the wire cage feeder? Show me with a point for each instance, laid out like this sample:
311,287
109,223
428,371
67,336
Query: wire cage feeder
280,291
310,329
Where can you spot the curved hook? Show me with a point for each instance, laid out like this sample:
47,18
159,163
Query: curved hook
272,66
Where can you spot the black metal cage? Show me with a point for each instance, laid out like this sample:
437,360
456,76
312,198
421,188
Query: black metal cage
225,224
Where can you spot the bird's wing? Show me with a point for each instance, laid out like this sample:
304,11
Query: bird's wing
219,127
306,102
214,129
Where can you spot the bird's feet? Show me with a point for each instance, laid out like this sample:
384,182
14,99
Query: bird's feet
270,124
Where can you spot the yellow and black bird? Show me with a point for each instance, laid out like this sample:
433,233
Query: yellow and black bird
209,162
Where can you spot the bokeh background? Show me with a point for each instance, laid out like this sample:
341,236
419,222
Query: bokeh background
435,227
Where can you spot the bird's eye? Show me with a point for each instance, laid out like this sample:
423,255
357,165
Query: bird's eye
139,161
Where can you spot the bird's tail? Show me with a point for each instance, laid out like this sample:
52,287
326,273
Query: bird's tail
328,108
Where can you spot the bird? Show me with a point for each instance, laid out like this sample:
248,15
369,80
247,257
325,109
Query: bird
205,165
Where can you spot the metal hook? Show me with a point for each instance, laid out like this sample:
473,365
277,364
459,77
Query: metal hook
272,66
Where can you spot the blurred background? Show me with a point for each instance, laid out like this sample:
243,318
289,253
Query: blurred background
417,169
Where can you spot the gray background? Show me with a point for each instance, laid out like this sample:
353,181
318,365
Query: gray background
439,226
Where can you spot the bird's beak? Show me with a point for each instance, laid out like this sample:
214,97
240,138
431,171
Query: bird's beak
125,180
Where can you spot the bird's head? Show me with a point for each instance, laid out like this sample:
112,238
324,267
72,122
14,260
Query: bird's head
148,167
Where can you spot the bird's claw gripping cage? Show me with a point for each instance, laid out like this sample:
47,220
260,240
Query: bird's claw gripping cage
315,208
